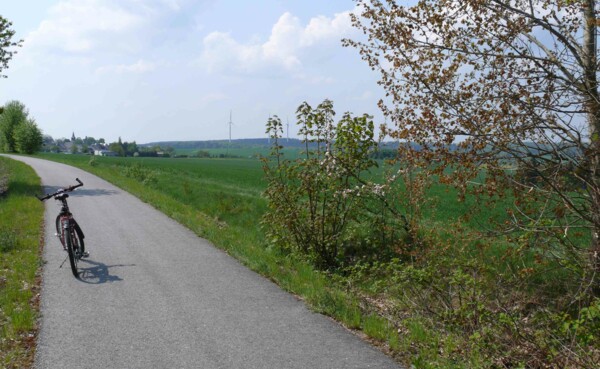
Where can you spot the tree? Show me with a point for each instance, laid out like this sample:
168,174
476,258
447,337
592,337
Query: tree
28,137
18,132
131,148
89,141
117,147
514,85
322,204
7,44
14,115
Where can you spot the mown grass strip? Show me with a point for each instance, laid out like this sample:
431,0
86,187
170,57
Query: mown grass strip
21,218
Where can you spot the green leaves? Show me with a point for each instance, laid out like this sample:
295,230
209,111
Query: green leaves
18,132
28,137
317,202
7,45
497,98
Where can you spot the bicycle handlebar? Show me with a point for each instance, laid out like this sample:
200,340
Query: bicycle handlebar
62,190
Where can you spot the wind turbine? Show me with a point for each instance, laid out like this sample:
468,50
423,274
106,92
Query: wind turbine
230,124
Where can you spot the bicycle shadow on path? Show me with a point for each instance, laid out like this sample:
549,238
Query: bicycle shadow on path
98,273
81,191
93,192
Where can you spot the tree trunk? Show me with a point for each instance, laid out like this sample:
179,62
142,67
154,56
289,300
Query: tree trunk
590,61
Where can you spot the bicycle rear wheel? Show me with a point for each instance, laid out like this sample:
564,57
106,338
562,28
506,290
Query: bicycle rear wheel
73,250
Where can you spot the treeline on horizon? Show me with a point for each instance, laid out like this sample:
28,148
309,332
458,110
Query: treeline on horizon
386,150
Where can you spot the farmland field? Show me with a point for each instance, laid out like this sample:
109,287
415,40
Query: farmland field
241,153
231,189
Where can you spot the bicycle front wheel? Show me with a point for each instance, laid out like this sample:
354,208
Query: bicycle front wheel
73,250
60,228
79,235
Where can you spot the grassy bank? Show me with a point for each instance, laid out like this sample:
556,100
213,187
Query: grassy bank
21,216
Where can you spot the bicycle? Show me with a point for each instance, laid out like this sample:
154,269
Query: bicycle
67,230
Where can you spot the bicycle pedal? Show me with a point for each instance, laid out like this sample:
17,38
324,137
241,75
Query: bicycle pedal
85,254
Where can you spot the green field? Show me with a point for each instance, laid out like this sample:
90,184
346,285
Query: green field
228,190
209,184
240,153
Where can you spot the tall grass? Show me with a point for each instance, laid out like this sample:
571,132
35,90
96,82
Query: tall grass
21,216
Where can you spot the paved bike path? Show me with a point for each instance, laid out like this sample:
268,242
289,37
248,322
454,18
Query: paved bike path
155,295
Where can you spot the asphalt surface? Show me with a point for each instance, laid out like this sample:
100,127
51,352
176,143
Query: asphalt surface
155,295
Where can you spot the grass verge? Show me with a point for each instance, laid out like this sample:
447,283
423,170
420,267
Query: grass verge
21,217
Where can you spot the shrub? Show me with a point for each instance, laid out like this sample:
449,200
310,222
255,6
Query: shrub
322,204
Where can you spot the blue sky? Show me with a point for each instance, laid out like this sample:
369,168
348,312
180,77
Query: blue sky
156,70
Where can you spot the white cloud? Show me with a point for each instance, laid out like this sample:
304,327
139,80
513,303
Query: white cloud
76,26
323,29
221,51
284,42
284,49
141,66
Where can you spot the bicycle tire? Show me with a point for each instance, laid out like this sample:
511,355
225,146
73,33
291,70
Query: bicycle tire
60,230
80,236
73,257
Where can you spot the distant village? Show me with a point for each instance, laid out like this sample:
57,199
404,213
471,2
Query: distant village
99,147
87,145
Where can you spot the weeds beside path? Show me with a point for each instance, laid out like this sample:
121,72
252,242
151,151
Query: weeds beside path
21,219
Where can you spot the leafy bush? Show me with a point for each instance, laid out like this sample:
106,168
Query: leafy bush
93,161
19,132
323,204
